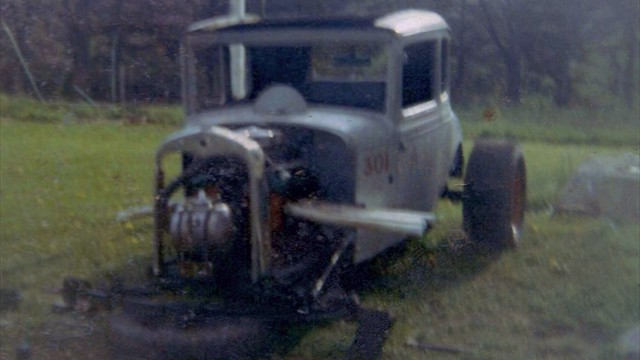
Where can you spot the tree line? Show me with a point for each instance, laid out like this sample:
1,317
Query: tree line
571,52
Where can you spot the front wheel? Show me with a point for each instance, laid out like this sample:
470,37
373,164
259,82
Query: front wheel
495,194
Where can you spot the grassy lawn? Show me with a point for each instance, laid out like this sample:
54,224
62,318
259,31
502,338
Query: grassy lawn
568,293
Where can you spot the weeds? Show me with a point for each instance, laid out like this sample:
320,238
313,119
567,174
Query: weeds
604,127
29,110
535,121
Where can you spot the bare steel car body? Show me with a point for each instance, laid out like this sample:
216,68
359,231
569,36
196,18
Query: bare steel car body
380,154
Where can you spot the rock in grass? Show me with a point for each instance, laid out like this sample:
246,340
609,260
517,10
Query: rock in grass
630,343
607,186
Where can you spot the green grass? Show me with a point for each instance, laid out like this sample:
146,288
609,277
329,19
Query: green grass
568,293
608,127
61,187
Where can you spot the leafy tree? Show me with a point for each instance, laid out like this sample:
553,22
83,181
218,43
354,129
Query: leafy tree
507,23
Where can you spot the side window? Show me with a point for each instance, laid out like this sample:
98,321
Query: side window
417,73
444,63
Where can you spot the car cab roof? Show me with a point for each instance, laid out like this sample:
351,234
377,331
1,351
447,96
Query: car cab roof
401,23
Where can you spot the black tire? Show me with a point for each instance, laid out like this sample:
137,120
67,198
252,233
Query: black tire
495,194
226,338
458,163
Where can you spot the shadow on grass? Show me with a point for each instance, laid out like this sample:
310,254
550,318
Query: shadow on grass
85,332
412,267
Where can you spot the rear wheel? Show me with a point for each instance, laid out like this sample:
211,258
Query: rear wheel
495,194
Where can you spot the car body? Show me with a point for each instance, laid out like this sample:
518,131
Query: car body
345,123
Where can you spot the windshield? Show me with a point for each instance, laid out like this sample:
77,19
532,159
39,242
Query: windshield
332,73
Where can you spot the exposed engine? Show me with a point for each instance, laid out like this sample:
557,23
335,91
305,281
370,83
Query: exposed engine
210,230
200,225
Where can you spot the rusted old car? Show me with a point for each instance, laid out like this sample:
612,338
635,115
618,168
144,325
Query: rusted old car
312,146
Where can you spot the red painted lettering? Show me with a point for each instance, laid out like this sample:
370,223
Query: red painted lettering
376,164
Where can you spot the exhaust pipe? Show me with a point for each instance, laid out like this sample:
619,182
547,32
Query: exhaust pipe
239,81
237,8
405,222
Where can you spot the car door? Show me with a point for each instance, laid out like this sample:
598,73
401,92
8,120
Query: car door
424,136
